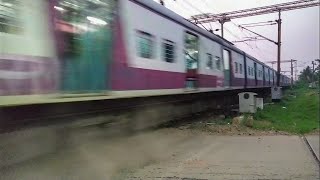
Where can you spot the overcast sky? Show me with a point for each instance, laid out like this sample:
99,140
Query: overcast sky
300,28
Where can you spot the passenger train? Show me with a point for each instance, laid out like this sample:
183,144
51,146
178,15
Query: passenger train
96,46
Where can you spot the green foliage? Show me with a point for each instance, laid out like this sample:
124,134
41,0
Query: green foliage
307,75
298,112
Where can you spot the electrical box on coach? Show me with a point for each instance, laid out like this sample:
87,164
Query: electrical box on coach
276,93
247,102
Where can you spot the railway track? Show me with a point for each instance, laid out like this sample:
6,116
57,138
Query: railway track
154,109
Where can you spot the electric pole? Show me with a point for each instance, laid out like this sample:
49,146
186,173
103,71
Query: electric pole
318,76
222,30
291,73
312,81
279,48
222,21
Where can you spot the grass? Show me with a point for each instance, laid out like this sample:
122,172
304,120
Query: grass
298,112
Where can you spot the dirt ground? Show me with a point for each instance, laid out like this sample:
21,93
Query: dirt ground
191,150
220,125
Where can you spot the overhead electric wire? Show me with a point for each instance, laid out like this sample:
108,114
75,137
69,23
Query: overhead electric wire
182,8
256,49
264,22
270,24
196,10
248,33
208,5
191,5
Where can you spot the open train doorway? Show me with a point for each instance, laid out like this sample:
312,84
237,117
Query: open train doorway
192,60
85,34
255,73
226,65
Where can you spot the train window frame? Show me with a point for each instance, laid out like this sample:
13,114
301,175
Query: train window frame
166,43
142,35
240,68
209,62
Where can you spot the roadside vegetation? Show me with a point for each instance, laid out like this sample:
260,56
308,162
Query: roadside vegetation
298,112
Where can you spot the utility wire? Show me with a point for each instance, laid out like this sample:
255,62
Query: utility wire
196,10
229,31
257,25
264,22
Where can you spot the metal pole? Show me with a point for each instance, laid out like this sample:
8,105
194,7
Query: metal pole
312,73
222,33
295,71
279,49
291,73
318,76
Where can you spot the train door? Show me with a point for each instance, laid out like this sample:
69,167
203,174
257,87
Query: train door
269,77
255,73
264,78
227,71
274,78
192,58
85,32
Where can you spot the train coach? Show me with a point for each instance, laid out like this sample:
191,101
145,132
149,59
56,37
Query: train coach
97,46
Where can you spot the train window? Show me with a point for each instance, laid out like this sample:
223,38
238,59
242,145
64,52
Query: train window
168,51
145,44
218,62
240,68
9,17
209,64
235,67
249,71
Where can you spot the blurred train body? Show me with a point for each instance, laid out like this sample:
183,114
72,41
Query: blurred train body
97,46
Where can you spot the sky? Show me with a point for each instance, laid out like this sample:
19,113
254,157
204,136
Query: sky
300,29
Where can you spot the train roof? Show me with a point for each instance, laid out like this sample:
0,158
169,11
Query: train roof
151,5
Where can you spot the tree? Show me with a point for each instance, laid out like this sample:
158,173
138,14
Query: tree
306,75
